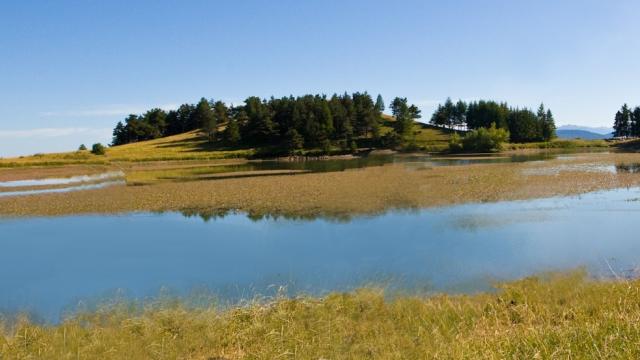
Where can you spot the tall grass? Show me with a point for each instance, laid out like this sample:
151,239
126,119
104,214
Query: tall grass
564,316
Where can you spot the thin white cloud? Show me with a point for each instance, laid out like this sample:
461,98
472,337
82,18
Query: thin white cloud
109,110
53,132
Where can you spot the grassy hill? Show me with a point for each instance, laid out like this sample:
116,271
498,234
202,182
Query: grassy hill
194,146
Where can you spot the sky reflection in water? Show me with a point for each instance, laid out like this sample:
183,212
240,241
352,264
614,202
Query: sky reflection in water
49,264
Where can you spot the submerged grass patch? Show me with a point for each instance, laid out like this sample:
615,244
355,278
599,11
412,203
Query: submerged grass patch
552,316
338,194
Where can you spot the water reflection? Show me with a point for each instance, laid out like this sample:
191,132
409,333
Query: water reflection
99,185
61,185
64,181
628,168
51,264
268,167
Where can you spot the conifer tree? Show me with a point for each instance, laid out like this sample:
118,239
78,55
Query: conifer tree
379,103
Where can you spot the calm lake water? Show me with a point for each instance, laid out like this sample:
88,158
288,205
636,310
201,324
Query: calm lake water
51,265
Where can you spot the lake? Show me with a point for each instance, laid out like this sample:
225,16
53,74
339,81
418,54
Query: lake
52,265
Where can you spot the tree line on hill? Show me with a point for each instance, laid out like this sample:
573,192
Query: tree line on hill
310,121
321,122
627,122
523,124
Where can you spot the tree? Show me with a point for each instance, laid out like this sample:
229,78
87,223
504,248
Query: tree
120,134
405,117
155,120
450,115
379,104
367,118
293,140
622,122
98,149
205,118
232,132
549,127
340,110
484,113
459,114
82,147
524,126
439,117
259,128
181,120
635,122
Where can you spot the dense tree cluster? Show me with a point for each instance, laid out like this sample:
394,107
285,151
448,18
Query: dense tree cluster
523,124
295,122
627,122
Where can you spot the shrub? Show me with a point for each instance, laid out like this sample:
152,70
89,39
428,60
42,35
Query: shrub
455,143
98,149
484,140
481,140
391,140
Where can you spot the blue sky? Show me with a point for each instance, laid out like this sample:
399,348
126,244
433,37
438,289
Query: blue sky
69,70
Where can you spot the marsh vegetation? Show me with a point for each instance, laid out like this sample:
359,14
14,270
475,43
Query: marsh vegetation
551,316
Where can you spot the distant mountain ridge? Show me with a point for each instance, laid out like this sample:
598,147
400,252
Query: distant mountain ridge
581,134
602,130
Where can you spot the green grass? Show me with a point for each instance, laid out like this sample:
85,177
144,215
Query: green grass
565,316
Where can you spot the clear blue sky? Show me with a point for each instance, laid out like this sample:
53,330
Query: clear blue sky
69,70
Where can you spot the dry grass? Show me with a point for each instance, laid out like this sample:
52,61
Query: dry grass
187,146
564,316
363,191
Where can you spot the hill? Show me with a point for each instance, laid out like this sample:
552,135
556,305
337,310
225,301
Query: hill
581,134
602,130
193,145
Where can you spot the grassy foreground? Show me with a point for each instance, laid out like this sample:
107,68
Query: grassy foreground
567,316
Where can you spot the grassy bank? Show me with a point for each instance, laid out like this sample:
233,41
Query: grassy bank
563,316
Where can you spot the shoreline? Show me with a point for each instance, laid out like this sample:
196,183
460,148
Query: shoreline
361,191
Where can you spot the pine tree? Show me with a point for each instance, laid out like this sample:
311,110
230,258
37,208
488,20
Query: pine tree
459,114
379,104
232,132
405,117
626,120
618,130
203,115
622,123
449,113
119,135
221,116
549,132
259,127
635,122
